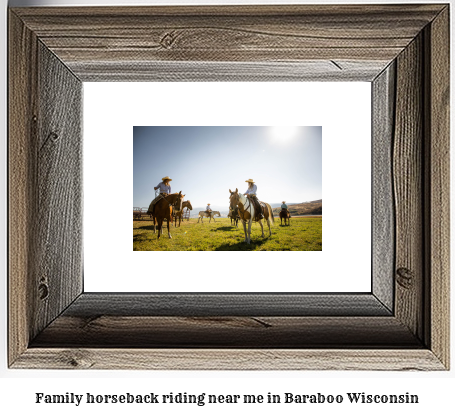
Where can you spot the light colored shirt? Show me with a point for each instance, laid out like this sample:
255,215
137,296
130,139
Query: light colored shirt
284,206
208,207
163,188
252,190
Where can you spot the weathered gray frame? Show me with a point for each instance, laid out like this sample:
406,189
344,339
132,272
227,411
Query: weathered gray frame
403,50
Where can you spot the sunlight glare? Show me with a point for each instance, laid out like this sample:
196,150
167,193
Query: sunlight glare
284,133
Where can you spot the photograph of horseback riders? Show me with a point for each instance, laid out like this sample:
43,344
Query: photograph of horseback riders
227,188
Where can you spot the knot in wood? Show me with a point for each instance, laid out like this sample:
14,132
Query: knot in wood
76,359
53,136
168,39
43,291
405,278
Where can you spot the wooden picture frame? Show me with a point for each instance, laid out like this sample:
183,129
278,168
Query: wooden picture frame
403,324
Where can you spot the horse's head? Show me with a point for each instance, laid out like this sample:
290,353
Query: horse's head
188,204
178,200
233,199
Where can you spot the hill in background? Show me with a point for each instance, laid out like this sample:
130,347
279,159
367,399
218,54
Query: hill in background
305,208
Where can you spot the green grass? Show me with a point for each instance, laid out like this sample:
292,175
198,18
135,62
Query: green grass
304,234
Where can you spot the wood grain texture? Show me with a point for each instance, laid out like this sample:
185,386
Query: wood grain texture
22,96
213,305
383,215
235,359
408,188
272,34
438,193
103,330
57,219
308,71
45,187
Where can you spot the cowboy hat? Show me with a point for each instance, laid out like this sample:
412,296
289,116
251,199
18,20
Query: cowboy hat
283,201
208,203
166,178
249,181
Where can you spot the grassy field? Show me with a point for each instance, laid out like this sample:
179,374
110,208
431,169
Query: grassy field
304,234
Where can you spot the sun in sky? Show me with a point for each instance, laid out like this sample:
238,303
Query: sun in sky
284,133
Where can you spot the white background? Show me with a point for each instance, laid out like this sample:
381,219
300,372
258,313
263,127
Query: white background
343,110
18,387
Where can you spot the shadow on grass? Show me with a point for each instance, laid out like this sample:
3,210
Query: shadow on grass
147,228
224,228
242,246
150,227
140,238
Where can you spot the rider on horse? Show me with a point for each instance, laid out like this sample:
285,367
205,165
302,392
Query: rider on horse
251,195
284,207
165,189
207,209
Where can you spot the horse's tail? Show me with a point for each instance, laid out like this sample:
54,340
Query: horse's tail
270,212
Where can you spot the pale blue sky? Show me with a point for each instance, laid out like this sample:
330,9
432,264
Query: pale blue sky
205,162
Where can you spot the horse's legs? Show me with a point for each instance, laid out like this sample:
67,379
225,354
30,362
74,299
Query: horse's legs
160,224
268,224
244,230
169,220
262,227
249,230
154,224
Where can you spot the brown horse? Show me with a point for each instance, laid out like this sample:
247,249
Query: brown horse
284,214
163,210
234,215
247,213
179,214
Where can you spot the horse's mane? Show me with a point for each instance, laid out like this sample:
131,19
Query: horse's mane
172,194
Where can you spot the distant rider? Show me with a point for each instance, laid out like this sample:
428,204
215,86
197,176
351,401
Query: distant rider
207,209
284,207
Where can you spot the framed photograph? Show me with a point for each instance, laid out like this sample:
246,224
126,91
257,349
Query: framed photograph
395,177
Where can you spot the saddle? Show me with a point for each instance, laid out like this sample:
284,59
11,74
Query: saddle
258,207
158,198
